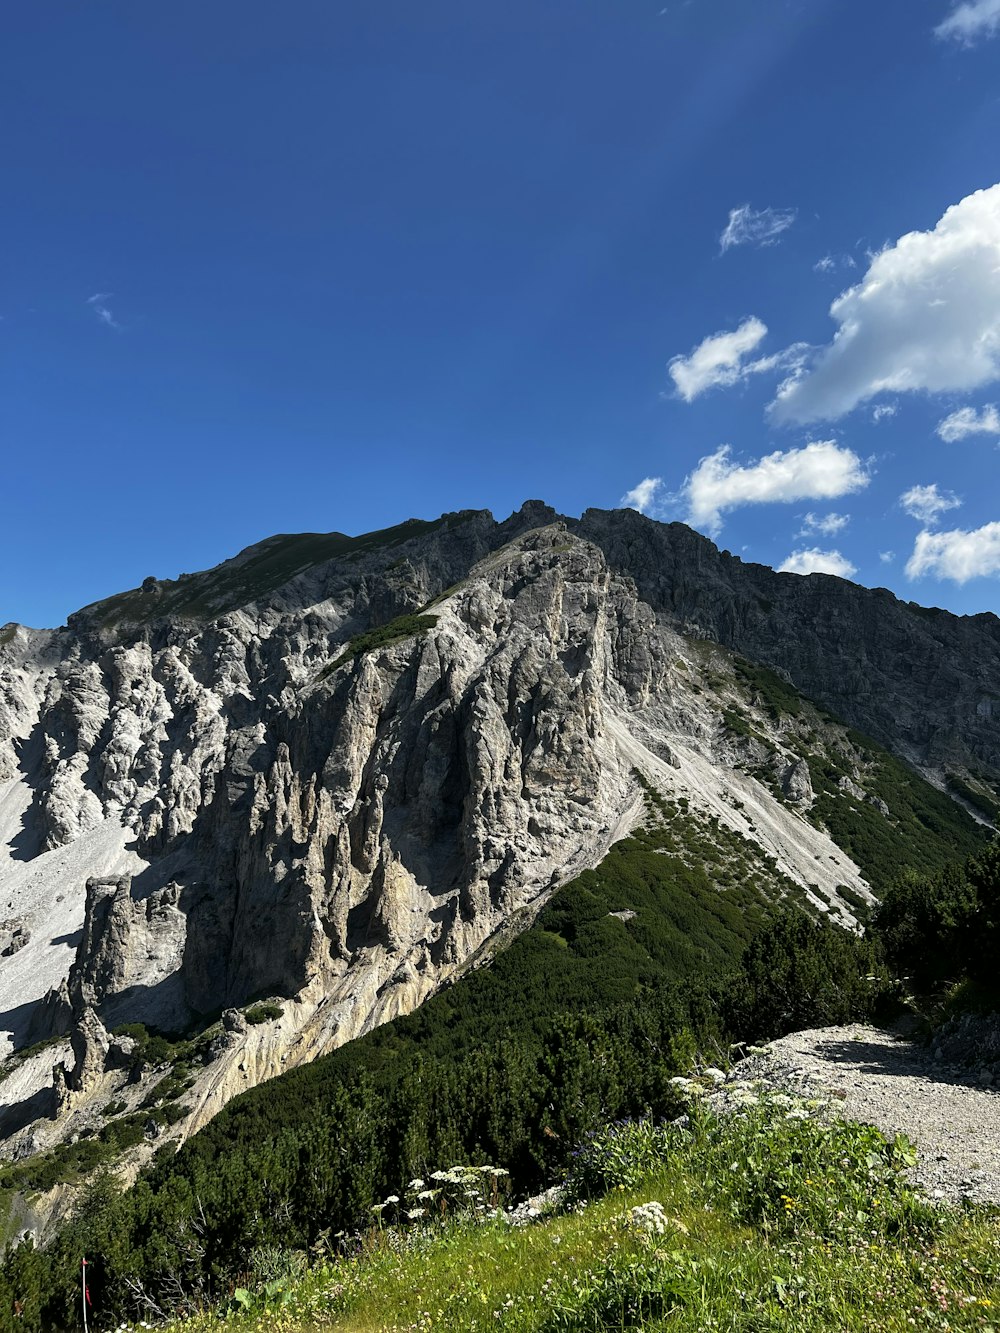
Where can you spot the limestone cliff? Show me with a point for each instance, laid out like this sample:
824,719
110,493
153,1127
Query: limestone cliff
330,771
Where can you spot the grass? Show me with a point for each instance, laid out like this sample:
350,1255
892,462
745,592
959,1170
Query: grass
777,1217
403,627
925,828
766,688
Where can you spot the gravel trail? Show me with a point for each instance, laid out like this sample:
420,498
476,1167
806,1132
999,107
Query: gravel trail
882,1078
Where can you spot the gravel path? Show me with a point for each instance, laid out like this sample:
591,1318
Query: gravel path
884,1079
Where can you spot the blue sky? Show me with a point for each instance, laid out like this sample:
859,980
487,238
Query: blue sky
313,266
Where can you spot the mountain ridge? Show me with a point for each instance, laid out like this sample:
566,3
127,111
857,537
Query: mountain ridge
335,797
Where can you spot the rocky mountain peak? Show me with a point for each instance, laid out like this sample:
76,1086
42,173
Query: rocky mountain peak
333,771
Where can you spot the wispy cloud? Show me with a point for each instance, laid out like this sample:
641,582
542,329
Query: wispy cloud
884,411
818,471
752,226
722,359
815,561
970,21
825,524
927,503
831,263
967,421
719,359
99,304
644,496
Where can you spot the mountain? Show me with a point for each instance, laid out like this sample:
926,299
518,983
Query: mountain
275,804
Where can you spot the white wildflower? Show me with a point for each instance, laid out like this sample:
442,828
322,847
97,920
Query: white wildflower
649,1217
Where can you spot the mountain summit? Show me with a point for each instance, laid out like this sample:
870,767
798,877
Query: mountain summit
289,798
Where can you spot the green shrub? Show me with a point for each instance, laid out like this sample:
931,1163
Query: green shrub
403,627
944,928
782,1162
263,1013
619,1156
799,972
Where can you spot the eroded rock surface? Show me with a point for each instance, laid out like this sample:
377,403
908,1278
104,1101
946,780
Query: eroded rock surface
219,789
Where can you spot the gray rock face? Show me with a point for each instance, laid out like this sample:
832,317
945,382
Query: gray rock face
797,784
922,681
342,822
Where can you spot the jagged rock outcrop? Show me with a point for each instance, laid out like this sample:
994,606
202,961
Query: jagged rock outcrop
922,681
331,770
797,784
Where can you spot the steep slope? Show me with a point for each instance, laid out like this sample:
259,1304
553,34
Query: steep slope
335,772
923,682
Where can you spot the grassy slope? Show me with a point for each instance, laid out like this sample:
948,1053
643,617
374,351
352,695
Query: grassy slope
769,1224
925,828
250,576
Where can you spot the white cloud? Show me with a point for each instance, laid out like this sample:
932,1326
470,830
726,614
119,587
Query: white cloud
927,503
642,497
717,360
721,360
99,304
971,19
828,524
956,555
926,316
967,421
814,561
887,557
751,226
884,411
819,471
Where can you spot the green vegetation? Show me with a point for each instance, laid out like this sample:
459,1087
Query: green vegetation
768,690
150,1048
778,1216
584,1018
924,830
737,722
264,1013
403,627
981,797
942,930
797,972
858,905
